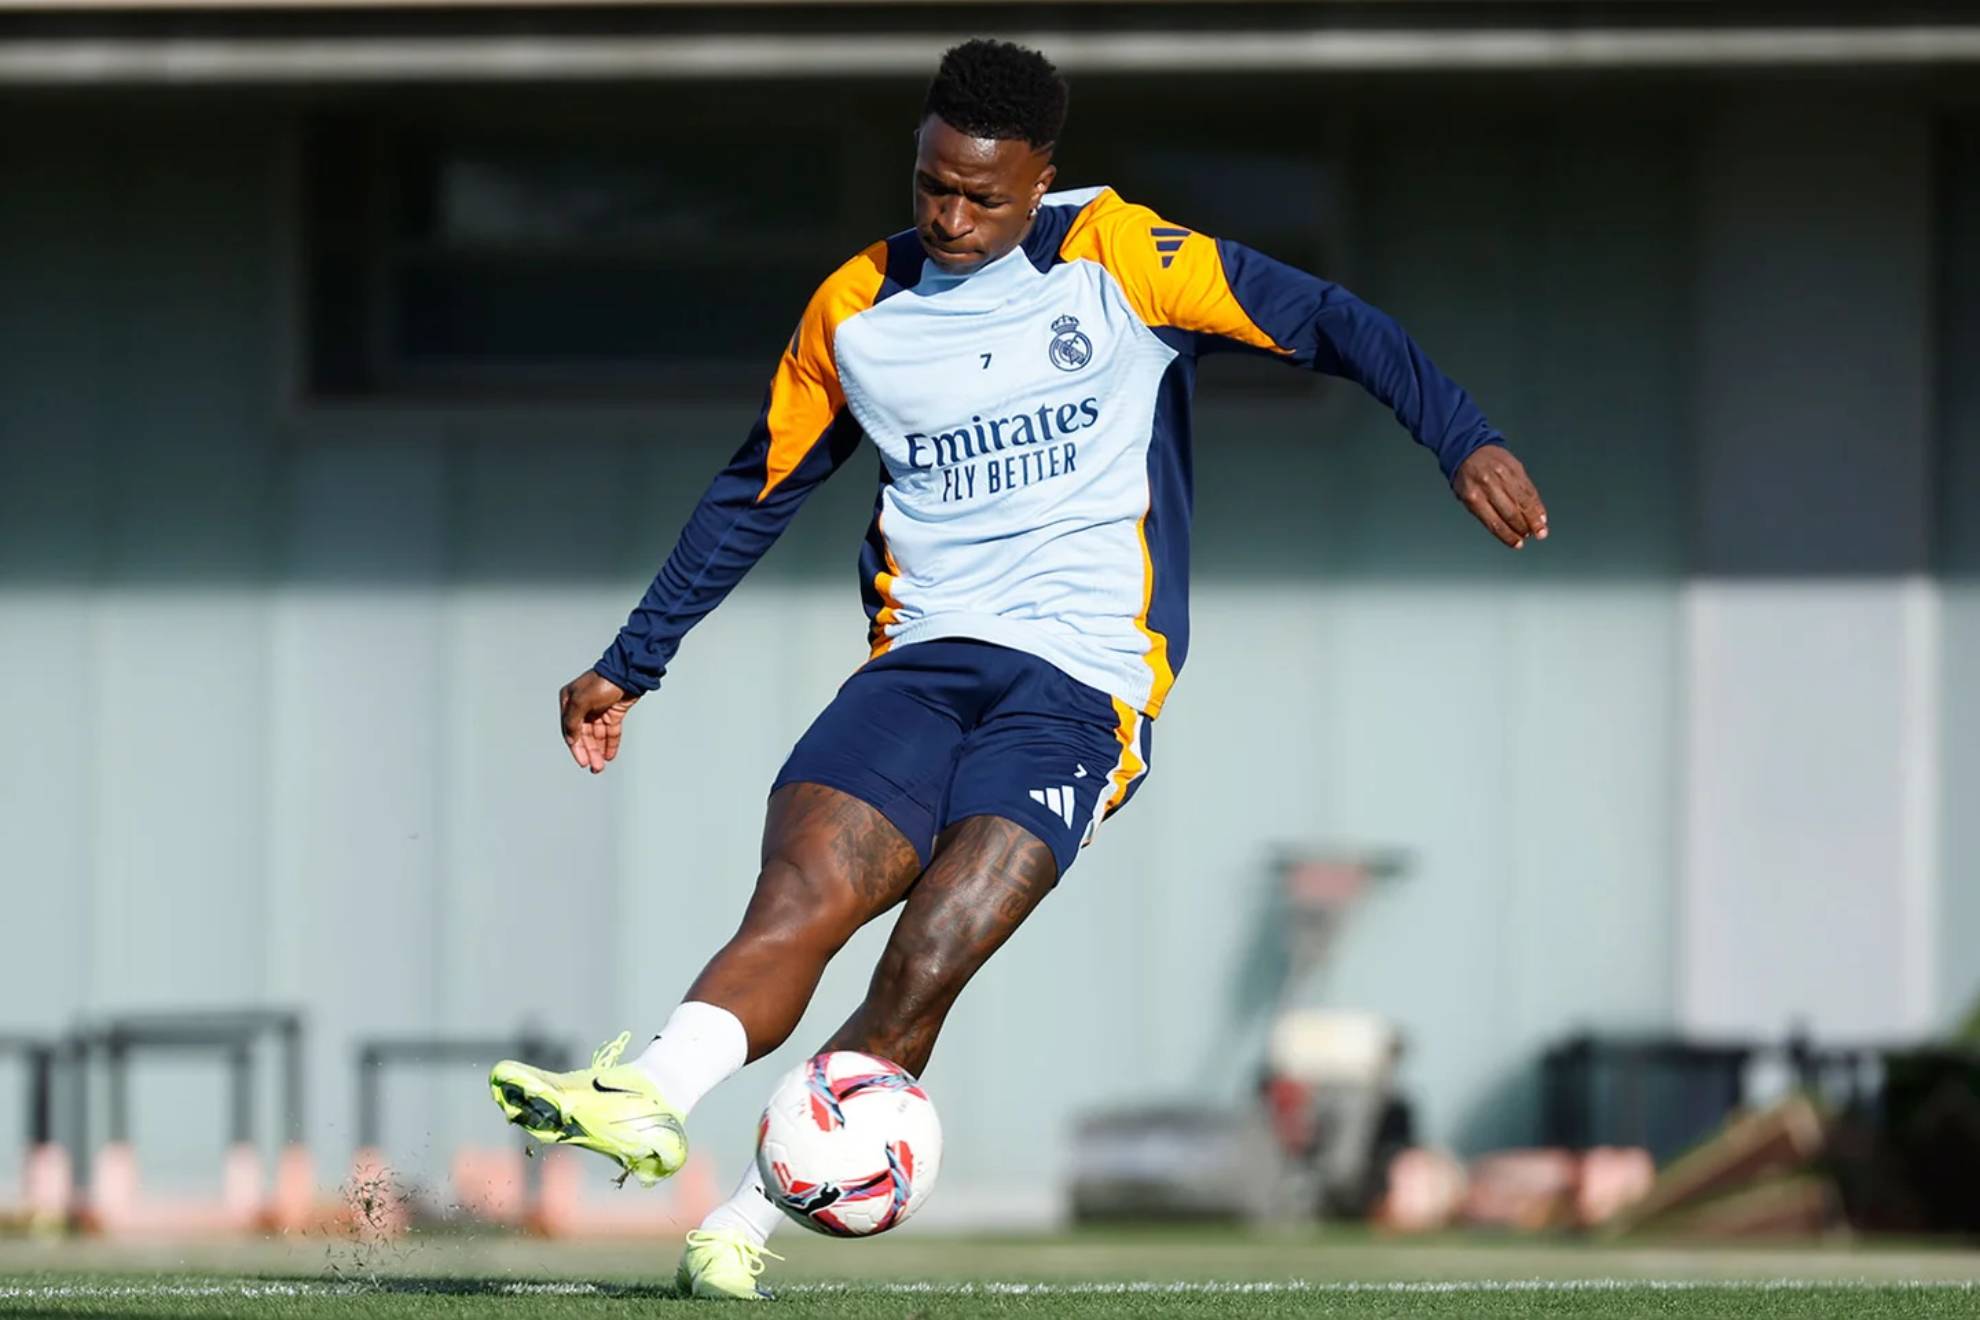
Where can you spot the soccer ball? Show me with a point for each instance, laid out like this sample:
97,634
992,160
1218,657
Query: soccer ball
849,1145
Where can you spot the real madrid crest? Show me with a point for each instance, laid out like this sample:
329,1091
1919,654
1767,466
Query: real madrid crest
1070,348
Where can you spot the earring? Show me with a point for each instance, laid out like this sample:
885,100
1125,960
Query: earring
1033,215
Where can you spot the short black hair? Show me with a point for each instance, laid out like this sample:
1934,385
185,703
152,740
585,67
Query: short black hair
995,89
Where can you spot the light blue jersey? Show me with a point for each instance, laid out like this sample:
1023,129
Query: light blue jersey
1032,419
1013,408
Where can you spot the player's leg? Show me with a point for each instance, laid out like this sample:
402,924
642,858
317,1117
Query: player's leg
1034,778
831,863
864,781
988,875
1033,782
853,818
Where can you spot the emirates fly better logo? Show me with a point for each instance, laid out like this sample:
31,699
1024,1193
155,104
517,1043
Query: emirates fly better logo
1070,349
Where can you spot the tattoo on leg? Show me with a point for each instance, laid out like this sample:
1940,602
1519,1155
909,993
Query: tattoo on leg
874,854
987,876
863,845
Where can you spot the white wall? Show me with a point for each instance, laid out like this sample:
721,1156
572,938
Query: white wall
1811,877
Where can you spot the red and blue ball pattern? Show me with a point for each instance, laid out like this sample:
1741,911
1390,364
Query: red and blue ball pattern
829,1094
824,1204
849,1144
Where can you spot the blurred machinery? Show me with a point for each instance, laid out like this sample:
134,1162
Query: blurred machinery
1328,1118
1750,1137
1329,1087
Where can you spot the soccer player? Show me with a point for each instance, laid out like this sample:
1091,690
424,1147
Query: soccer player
1022,359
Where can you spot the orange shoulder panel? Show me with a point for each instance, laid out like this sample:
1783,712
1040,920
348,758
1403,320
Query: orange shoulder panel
805,394
1173,276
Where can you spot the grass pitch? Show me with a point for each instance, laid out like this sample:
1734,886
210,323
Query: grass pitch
924,1277
418,1299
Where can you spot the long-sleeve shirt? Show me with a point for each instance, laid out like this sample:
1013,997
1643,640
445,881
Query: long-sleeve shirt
1033,422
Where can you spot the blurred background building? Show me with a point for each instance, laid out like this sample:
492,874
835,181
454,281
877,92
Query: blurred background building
358,364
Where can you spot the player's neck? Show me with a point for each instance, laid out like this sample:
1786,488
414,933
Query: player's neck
996,273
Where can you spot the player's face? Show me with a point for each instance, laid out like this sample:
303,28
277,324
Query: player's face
973,197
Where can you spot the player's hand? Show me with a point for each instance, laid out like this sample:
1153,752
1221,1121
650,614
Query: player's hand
593,712
1494,486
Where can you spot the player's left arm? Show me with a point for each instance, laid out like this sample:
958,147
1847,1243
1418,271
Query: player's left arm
1316,323
1230,296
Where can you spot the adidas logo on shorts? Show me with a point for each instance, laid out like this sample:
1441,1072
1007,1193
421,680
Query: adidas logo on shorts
1056,799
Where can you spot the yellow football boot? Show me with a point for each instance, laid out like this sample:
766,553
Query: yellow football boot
614,1110
723,1264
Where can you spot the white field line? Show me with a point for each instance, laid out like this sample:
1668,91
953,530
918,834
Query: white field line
1301,1286
59,1292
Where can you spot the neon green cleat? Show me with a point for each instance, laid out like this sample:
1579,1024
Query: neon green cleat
616,1111
723,1264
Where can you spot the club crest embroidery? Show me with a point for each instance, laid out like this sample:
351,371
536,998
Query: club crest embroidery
1070,349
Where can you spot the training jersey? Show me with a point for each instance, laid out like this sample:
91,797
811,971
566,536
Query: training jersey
1032,418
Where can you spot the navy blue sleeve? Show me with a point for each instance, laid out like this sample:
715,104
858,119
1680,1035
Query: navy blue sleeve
736,521
1322,326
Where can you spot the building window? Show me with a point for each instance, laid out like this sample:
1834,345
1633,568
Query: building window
478,265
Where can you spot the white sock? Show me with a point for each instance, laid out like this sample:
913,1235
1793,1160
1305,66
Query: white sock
700,1046
748,1211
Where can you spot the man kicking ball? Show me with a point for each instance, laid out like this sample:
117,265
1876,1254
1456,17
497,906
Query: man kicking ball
1023,361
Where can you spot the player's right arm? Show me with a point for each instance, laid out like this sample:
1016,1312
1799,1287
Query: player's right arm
803,435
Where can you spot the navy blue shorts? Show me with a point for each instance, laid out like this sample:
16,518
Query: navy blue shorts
936,732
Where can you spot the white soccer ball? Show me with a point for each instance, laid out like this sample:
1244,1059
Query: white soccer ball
849,1145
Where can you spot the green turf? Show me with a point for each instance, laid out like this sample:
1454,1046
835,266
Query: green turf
410,1298
1087,1275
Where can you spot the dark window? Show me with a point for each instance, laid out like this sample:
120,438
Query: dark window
535,264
